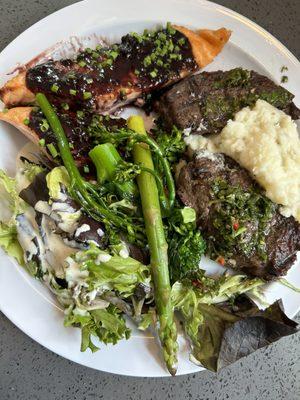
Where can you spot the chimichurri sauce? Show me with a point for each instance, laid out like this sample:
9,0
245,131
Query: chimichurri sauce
241,219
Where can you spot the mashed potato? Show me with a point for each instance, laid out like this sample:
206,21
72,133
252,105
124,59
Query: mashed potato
265,141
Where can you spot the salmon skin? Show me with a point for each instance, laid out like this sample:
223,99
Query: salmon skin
108,77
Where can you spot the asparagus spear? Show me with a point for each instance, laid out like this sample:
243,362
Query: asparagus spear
158,247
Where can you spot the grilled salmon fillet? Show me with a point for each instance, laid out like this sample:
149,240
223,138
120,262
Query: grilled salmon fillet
107,78
32,123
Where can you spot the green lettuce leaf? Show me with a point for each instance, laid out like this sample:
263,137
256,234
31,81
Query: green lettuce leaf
112,272
197,287
108,325
10,206
9,242
31,170
57,177
147,320
234,330
221,323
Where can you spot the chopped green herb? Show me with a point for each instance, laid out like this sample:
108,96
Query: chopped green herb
162,36
170,29
80,114
108,62
73,92
86,169
170,46
71,145
284,68
137,72
42,142
44,126
87,95
147,61
284,79
181,41
65,106
52,150
5,110
54,88
82,63
26,121
90,80
113,54
242,220
153,73
138,37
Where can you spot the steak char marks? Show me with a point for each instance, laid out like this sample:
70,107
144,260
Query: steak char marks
203,103
243,229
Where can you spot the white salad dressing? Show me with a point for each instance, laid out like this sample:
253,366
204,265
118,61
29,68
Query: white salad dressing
43,207
74,275
124,252
102,258
83,228
27,234
56,250
100,232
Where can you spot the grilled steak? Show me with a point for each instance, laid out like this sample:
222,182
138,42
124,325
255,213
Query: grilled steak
108,77
243,229
203,103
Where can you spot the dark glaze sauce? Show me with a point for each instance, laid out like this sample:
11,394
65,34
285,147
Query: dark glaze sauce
76,126
99,78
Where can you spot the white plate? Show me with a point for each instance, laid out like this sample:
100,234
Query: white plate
25,301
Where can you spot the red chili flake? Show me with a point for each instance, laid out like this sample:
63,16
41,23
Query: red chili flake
236,226
221,260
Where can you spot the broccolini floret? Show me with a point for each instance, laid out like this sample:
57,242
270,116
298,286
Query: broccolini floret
186,245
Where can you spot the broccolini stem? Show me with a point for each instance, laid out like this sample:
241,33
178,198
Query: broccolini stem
79,188
106,159
157,245
138,138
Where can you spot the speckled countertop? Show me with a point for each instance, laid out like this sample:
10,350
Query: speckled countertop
30,372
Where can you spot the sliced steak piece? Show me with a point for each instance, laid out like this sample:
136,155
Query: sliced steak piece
108,77
203,103
243,229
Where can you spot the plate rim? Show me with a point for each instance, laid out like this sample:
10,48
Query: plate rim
216,7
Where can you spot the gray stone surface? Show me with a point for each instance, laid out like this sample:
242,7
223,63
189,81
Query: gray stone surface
30,372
